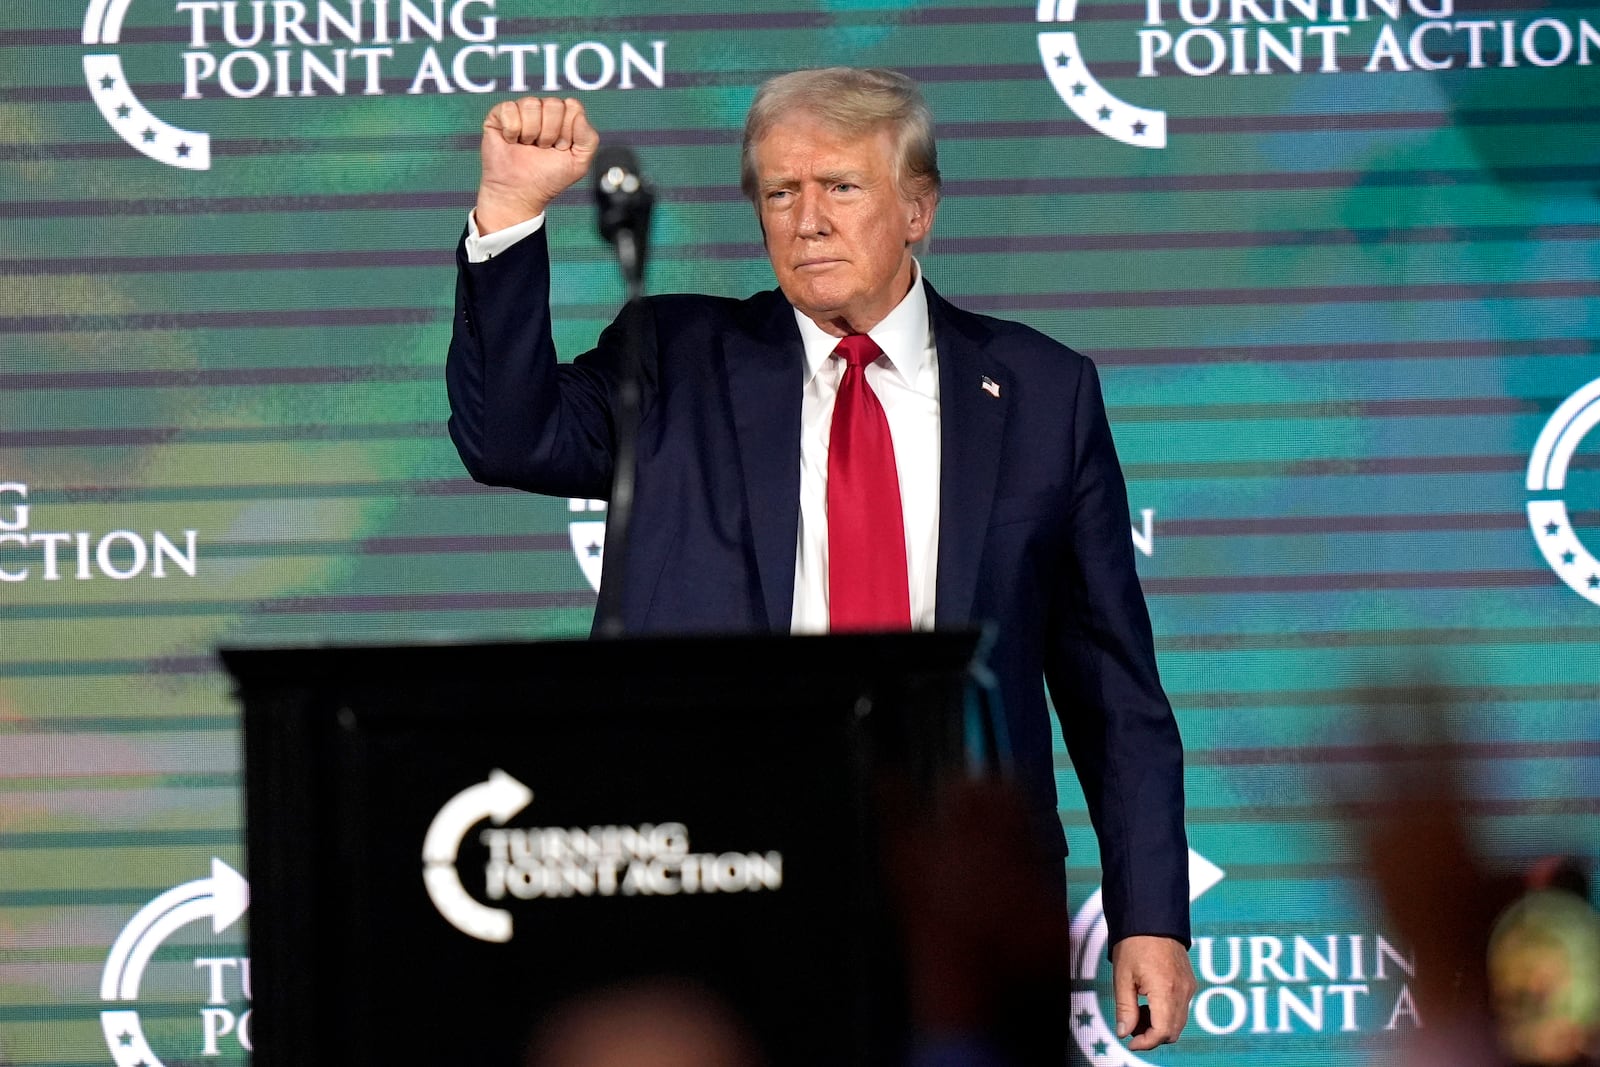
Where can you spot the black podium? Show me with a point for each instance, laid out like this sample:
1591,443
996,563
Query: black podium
445,842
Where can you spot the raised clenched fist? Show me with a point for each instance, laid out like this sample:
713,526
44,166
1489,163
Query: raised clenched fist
533,149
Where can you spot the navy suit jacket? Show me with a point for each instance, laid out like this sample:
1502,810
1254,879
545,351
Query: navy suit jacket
1033,527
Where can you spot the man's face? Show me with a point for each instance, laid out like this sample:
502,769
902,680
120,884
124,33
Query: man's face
838,232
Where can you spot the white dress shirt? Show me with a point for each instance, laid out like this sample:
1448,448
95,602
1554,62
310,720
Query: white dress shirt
906,381
481,247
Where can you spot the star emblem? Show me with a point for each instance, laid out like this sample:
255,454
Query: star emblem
1085,1019
1594,581
1104,113
149,135
183,151
593,550
1078,89
126,1039
1552,528
1138,129
1099,1048
1568,557
107,82
124,111
1063,60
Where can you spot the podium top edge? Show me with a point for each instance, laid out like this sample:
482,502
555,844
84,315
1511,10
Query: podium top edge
779,654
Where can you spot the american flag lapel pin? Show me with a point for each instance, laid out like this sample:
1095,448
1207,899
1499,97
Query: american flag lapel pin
991,387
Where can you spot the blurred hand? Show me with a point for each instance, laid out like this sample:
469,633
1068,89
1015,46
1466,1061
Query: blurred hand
1158,968
533,149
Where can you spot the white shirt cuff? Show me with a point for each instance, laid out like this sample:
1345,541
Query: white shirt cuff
481,247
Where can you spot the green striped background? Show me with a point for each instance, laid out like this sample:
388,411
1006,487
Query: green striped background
1332,317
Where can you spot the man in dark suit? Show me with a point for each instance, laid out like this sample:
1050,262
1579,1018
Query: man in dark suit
849,451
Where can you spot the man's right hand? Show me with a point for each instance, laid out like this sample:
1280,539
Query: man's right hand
533,149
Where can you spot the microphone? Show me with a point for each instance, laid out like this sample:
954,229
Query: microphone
624,199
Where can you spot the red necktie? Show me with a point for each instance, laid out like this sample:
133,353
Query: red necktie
867,584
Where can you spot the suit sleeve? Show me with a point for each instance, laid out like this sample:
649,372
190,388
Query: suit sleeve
1101,667
518,417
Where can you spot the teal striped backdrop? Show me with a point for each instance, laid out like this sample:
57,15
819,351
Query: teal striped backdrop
1333,315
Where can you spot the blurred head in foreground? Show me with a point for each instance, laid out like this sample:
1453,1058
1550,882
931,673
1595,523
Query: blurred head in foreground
657,1024
1507,971
1544,977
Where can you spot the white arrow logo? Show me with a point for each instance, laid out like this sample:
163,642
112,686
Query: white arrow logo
222,898
1082,92
588,537
113,96
1089,935
1547,472
499,798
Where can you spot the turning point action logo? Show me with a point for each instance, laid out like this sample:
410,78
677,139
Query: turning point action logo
1199,38
222,900
1292,983
304,48
1547,473
586,529
648,860
1089,932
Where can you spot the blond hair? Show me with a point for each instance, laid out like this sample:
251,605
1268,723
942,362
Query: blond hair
851,101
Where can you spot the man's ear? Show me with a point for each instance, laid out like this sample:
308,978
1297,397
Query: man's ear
920,224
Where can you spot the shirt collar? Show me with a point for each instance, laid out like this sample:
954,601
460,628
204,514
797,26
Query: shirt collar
903,334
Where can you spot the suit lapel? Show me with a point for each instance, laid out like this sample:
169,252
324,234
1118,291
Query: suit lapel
765,368
972,424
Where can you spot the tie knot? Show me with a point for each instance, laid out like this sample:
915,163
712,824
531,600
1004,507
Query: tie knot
857,349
